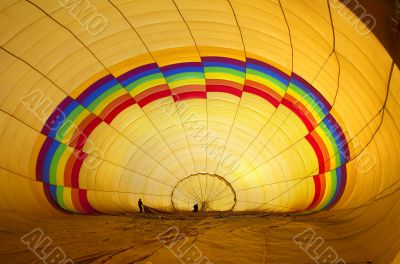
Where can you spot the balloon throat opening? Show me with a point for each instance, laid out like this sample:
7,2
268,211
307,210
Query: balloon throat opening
209,192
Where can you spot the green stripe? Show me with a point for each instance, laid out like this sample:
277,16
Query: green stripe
104,95
332,141
185,75
278,83
307,98
225,70
55,161
68,122
331,192
60,197
145,79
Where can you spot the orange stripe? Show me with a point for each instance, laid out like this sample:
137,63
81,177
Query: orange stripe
264,88
302,109
324,149
188,88
75,200
150,91
81,129
231,84
110,107
68,170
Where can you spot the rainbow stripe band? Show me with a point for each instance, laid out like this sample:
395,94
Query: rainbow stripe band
69,126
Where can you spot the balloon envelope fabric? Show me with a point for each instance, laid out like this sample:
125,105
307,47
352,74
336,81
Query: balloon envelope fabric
278,106
62,154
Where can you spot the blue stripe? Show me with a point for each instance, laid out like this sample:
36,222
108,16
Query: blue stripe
90,98
61,118
47,161
338,185
182,70
269,72
336,134
224,65
53,192
139,76
312,95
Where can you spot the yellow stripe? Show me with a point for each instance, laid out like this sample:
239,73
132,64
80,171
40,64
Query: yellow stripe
303,100
74,126
100,107
328,191
67,195
140,88
61,166
183,82
328,145
224,76
265,82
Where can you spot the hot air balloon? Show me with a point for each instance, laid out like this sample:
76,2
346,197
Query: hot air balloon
280,107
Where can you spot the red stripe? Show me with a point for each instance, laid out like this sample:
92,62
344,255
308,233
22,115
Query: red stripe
224,89
326,159
79,131
68,170
318,193
189,95
319,187
85,202
153,97
86,133
318,152
262,94
107,110
80,157
298,112
110,117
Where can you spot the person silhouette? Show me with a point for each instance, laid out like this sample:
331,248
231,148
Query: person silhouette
140,204
195,208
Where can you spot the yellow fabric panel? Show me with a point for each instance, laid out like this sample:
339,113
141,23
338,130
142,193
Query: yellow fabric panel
220,120
170,56
193,114
68,70
141,130
104,201
327,80
214,26
301,163
150,25
311,35
18,193
345,104
15,138
131,63
265,38
30,98
112,31
171,130
361,48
